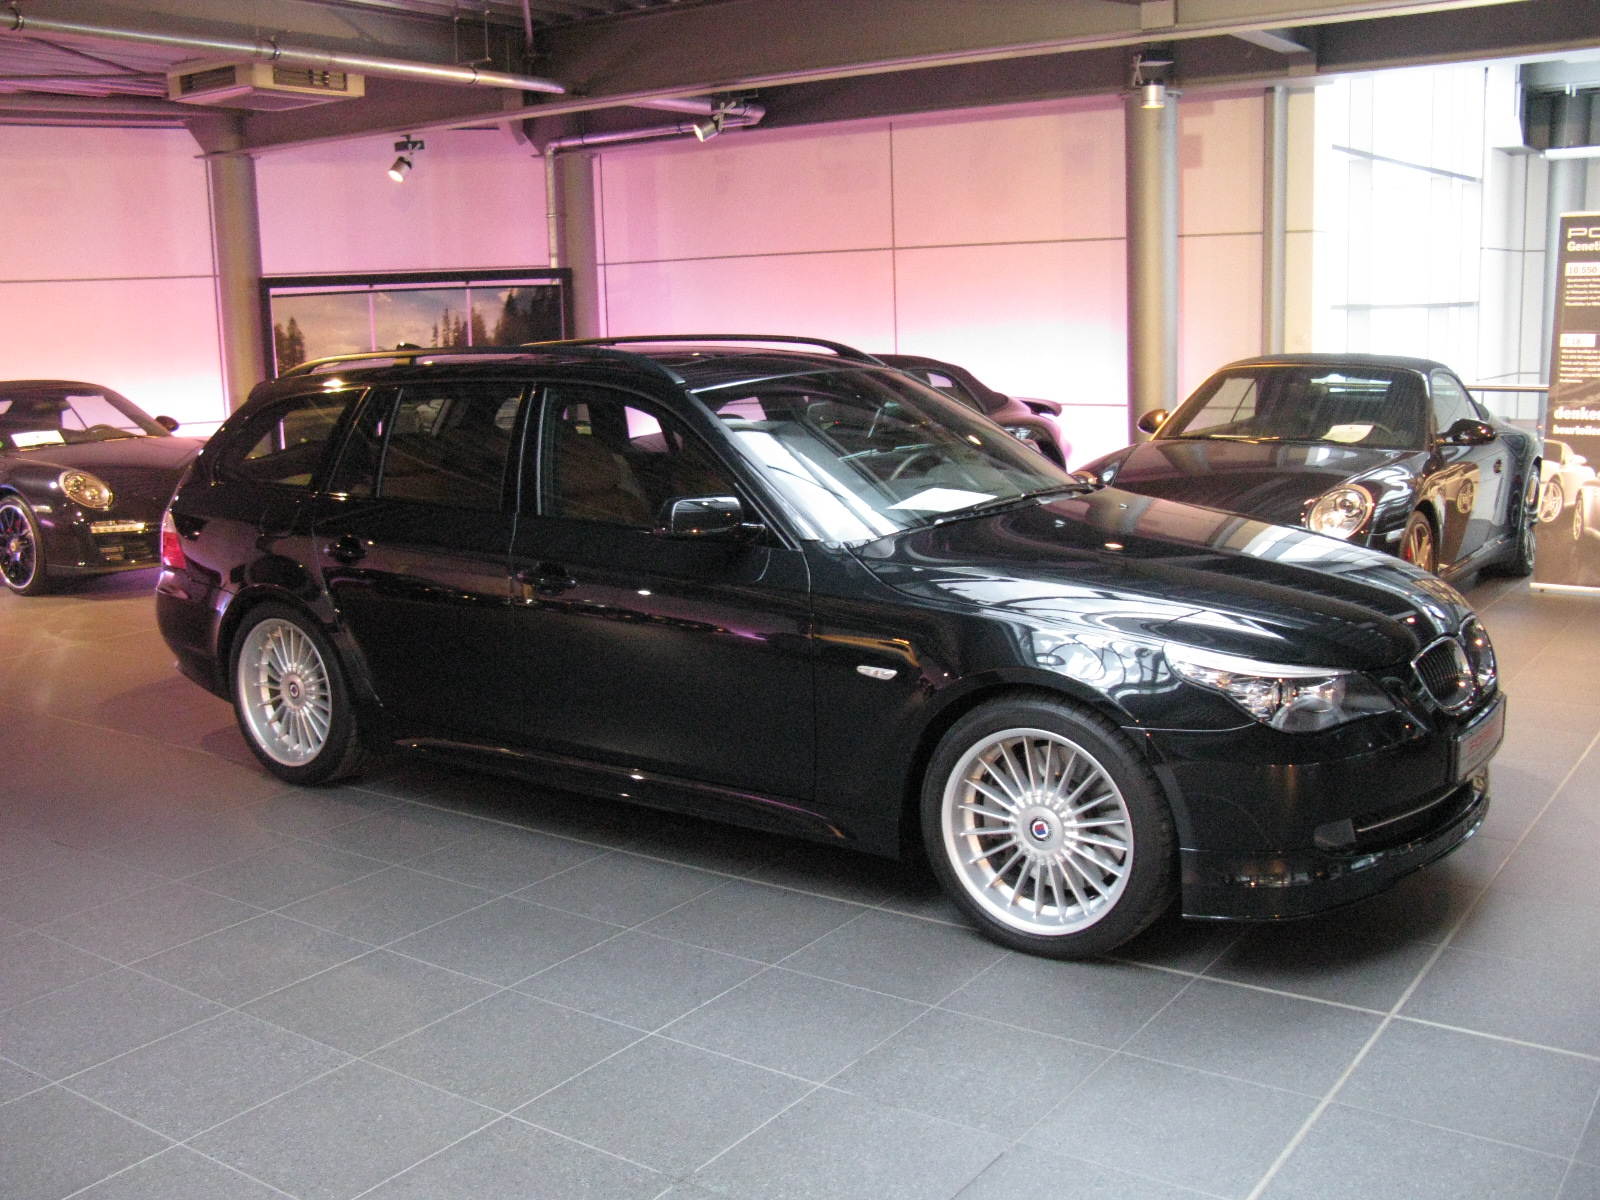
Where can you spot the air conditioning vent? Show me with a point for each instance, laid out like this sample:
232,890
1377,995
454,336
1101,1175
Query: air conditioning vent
263,87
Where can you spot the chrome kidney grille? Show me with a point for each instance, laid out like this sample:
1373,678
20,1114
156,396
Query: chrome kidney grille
1458,671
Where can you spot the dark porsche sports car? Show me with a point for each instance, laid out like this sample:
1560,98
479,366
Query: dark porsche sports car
84,477
1386,452
798,590
1028,420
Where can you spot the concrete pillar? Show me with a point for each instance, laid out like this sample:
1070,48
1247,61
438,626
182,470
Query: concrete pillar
1275,222
1566,191
236,246
1152,170
575,244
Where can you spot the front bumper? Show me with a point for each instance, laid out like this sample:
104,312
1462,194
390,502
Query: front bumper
78,542
1267,887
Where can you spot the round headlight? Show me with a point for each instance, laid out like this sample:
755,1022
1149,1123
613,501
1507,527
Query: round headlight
1340,512
86,489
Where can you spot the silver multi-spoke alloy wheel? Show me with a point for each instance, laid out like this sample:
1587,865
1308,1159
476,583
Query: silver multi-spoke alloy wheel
1037,832
285,695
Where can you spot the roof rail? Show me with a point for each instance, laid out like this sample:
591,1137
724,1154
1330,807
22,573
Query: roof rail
838,348
597,348
406,356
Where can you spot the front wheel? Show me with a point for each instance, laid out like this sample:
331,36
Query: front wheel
1551,501
1417,545
1046,829
22,563
291,699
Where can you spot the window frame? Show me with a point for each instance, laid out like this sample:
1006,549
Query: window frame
223,467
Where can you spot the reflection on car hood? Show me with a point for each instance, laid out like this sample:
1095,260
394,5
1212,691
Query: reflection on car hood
1126,563
1267,480
144,467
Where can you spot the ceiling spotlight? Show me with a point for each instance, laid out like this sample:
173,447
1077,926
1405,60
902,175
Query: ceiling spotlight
406,146
1148,80
705,130
1155,95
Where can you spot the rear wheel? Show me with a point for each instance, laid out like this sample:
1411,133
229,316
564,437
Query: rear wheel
1417,544
1047,830
1551,501
22,561
1518,563
291,699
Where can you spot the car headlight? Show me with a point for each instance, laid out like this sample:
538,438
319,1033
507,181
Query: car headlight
1294,699
1341,511
86,489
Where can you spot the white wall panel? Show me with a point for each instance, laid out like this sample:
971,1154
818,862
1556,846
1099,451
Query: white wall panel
154,340
102,204
474,199
748,193
1220,164
1035,176
1219,303
847,297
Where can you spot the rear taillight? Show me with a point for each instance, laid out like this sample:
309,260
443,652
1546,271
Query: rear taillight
171,548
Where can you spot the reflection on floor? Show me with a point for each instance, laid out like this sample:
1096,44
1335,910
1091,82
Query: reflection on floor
437,985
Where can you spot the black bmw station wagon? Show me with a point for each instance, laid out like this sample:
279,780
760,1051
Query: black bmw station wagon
774,582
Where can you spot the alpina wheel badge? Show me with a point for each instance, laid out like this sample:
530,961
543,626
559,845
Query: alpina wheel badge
1040,828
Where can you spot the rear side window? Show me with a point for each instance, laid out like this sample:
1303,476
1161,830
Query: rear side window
284,443
439,444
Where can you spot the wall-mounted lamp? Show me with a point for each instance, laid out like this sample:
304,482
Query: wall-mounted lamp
406,146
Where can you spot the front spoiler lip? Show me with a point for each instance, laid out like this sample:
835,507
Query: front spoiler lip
1306,882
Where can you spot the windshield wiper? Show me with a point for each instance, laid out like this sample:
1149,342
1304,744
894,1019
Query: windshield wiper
1001,503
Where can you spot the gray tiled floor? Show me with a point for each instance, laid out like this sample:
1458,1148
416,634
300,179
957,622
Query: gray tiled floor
435,984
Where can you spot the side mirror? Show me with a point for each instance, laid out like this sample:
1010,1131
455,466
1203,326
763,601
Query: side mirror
167,423
1152,421
702,517
1468,432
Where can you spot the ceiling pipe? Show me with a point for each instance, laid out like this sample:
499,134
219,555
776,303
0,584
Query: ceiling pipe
268,50
737,116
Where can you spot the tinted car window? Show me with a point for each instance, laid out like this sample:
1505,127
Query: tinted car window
613,458
1346,405
53,416
1451,402
284,443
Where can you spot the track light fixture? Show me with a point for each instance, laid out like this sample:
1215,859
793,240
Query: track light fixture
1149,79
406,146
705,130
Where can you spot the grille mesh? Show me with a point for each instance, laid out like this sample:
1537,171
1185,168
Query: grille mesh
1447,674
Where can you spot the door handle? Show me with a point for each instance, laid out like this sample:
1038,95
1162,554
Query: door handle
347,550
548,579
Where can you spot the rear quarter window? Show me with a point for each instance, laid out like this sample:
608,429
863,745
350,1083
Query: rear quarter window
284,443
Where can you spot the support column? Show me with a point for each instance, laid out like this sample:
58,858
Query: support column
236,245
1275,222
576,243
1566,191
1152,170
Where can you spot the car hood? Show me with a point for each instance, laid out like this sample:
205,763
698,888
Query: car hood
1270,481
146,468
1115,562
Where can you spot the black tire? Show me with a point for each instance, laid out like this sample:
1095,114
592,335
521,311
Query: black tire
1518,561
291,699
1419,545
22,558
1087,782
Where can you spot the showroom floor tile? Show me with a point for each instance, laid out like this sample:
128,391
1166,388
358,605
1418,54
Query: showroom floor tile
432,984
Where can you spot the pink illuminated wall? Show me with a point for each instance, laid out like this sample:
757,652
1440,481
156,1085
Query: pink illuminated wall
994,239
107,273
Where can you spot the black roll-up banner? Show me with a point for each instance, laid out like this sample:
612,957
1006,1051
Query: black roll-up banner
1569,503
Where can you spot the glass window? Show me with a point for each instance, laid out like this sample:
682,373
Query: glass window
1450,402
613,459
1344,405
440,444
284,444
51,416
859,453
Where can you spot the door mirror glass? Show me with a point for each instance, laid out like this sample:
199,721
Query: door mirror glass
1468,432
168,423
702,517
1152,421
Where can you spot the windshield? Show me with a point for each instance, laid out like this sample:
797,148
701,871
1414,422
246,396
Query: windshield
34,417
863,452
1346,405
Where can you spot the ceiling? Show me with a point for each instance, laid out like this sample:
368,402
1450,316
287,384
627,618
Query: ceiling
611,64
